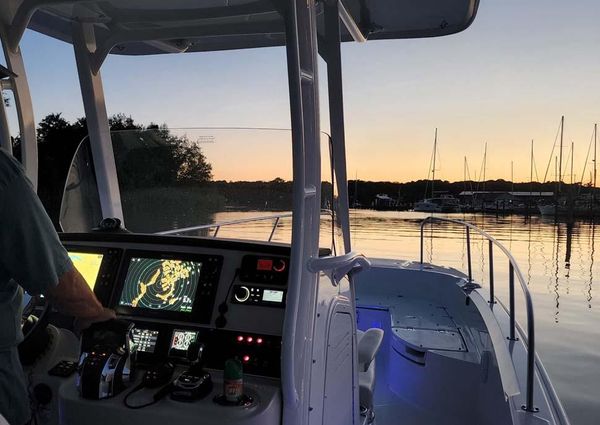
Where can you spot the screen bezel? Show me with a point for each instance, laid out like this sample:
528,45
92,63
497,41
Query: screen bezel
197,315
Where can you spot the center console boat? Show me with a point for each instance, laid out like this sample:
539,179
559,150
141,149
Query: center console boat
217,328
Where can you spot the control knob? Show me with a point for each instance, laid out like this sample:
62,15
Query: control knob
241,294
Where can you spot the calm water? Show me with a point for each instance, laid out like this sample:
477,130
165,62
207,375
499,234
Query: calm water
556,259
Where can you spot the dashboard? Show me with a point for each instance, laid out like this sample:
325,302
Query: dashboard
229,295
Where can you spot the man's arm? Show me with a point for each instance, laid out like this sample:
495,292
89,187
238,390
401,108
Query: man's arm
31,251
72,296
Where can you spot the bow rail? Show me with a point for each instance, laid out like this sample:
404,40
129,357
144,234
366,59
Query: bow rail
513,270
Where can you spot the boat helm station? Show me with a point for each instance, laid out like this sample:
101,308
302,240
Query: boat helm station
226,330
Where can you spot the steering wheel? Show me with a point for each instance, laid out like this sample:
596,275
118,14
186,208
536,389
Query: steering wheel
34,322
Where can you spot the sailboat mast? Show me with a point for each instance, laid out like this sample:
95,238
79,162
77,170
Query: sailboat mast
562,128
512,177
355,188
484,164
595,136
531,170
572,148
433,169
556,174
465,174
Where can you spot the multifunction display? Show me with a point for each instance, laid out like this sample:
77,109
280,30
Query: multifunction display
168,286
161,284
88,264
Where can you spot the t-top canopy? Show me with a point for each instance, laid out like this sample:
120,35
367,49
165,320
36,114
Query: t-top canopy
140,27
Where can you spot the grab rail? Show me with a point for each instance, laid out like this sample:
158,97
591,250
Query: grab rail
513,270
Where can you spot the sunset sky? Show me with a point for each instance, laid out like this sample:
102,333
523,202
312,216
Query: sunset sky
505,80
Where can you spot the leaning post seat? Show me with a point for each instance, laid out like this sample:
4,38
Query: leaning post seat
369,342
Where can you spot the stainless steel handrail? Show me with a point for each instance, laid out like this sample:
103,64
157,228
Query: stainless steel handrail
217,226
513,270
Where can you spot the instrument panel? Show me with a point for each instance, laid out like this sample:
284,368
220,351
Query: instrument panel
229,295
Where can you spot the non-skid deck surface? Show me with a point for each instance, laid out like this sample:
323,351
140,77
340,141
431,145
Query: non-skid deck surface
424,325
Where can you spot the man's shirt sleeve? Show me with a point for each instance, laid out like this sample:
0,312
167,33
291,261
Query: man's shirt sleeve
30,250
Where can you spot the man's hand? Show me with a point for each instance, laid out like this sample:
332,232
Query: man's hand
84,323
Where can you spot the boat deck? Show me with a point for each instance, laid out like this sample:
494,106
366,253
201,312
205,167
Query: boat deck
436,353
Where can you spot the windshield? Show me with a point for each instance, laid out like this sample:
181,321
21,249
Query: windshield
229,183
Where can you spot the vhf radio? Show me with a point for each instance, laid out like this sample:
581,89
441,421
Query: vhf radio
105,363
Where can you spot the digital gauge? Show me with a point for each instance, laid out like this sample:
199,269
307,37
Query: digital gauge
145,339
181,341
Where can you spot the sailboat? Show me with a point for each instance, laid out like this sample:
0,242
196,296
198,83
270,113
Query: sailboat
582,204
444,203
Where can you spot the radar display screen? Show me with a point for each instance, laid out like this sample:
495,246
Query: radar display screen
88,265
161,284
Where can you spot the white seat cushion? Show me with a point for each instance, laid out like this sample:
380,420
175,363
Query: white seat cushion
368,346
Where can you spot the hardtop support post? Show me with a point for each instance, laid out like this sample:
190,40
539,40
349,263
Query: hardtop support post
301,49
97,123
5,140
333,58
22,95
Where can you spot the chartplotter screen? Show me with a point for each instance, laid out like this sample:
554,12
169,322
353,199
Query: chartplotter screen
88,264
161,284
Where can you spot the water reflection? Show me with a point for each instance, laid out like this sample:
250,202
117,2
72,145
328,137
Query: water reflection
592,242
558,253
